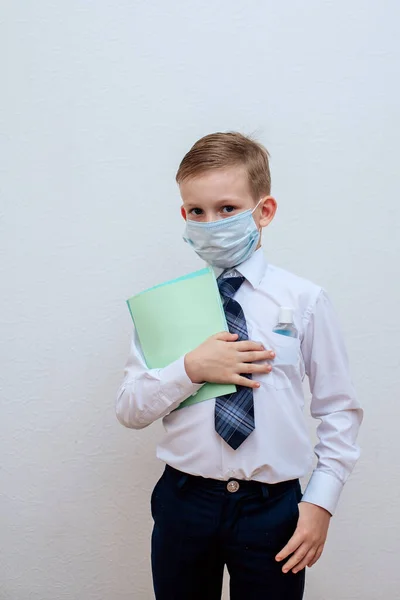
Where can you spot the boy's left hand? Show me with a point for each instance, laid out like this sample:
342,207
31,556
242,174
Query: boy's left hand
307,542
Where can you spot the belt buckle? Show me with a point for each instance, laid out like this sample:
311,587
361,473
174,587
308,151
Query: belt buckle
232,486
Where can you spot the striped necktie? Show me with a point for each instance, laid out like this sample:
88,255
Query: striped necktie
234,413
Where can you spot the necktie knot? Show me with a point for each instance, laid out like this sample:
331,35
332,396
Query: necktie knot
228,286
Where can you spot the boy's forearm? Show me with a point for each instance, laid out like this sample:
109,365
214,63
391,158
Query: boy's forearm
337,452
147,395
334,403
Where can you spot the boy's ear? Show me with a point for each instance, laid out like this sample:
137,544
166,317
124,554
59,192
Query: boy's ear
183,212
268,211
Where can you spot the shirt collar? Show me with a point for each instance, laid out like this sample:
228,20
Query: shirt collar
252,269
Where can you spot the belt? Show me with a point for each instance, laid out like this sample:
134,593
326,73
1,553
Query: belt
231,485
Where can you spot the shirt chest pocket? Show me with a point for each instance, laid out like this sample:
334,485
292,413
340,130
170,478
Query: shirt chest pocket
286,365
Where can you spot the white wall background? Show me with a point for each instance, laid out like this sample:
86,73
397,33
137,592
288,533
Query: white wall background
100,101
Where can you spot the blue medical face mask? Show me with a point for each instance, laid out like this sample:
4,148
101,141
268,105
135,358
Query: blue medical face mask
225,243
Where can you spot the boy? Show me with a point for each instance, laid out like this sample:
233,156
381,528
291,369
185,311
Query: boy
230,493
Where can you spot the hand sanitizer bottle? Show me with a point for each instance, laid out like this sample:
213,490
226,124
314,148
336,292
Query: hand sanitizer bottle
285,324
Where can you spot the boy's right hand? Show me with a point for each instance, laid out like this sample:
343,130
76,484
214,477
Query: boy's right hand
221,359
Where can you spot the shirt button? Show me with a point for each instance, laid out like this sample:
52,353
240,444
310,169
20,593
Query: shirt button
232,486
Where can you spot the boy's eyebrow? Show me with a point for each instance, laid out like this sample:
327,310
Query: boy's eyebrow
220,201
225,200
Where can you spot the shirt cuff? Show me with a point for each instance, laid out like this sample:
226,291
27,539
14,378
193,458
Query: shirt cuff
323,490
176,385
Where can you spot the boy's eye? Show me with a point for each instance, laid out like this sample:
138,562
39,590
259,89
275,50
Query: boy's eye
228,209
196,211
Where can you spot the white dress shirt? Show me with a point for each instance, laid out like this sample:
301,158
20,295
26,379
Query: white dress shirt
279,448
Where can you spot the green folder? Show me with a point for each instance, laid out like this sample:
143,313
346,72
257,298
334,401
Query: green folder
175,317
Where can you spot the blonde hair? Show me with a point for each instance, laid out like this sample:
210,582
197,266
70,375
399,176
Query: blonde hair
219,150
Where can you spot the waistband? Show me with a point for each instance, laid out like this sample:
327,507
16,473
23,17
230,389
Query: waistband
266,489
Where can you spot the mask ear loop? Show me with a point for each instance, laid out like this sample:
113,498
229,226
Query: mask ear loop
256,206
259,230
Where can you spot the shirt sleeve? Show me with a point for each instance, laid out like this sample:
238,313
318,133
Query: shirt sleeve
333,402
146,395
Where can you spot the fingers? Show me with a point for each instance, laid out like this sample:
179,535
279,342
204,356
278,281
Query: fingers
251,351
258,355
248,346
303,553
295,541
317,556
302,564
254,368
225,336
245,382
250,368
297,559
305,556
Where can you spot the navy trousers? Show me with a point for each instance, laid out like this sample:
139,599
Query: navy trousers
200,526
